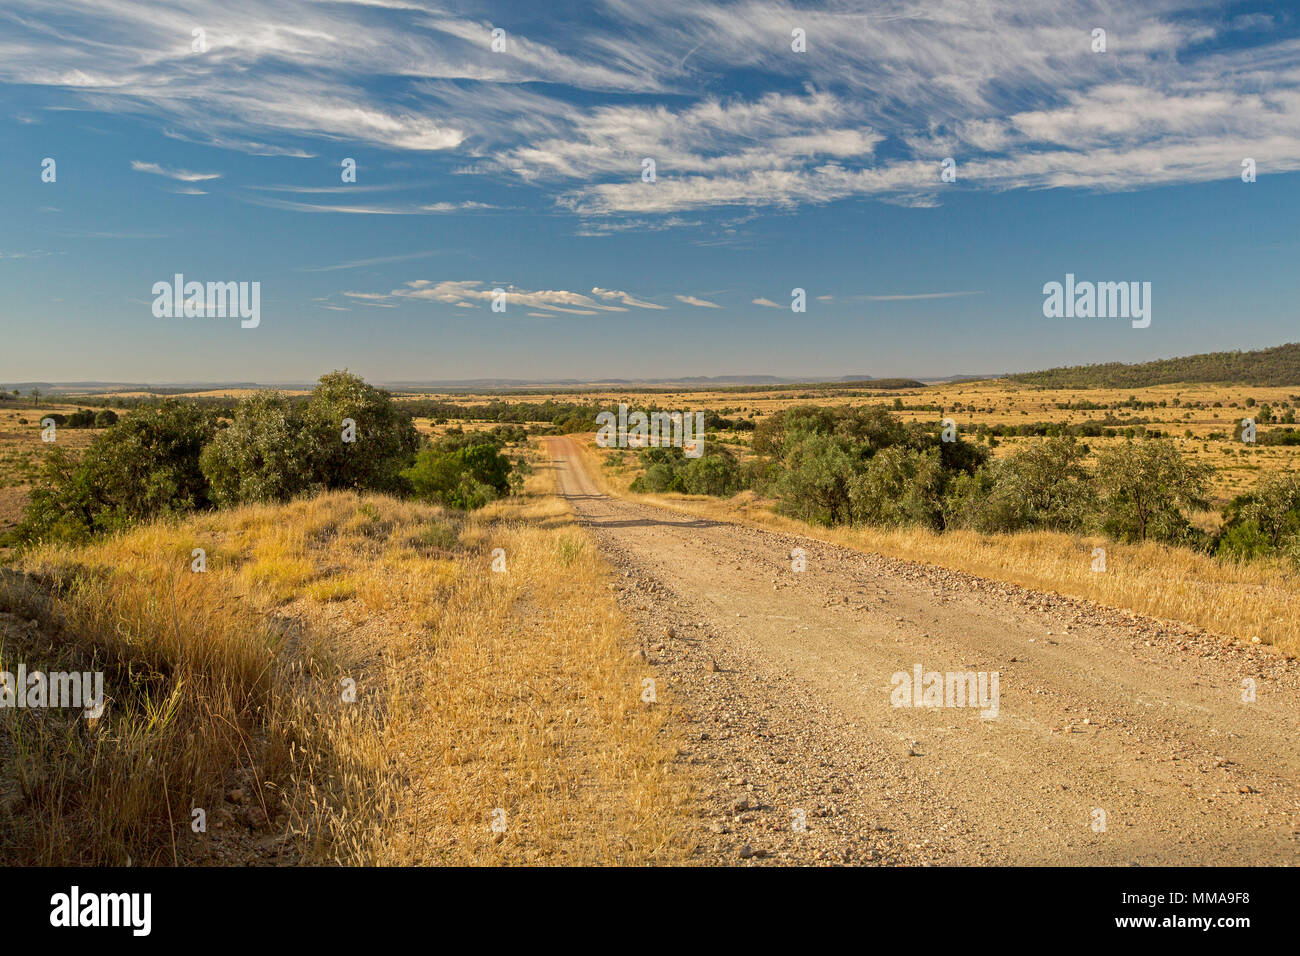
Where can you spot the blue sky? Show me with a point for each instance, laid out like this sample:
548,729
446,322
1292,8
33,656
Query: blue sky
522,169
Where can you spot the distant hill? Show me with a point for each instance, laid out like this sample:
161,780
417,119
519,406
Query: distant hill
1276,366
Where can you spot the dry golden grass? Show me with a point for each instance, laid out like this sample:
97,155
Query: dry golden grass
475,691
1241,600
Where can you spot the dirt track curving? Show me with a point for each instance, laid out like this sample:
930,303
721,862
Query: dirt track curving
783,681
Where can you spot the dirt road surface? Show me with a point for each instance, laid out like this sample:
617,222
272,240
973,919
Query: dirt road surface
1118,740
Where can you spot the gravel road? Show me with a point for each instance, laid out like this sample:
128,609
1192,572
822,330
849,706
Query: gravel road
1118,739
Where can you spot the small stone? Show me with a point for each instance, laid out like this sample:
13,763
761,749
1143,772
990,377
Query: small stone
746,852
255,817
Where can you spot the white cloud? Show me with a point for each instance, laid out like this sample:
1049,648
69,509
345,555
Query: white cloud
1011,90
358,263
918,295
625,298
468,293
363,209
769,303
701,303
184,175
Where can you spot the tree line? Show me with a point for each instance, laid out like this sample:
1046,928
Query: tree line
174,456
864,466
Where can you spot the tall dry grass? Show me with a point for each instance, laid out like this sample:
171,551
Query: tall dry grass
475,691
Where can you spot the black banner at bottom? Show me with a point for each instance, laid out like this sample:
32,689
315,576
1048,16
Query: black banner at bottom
1224,905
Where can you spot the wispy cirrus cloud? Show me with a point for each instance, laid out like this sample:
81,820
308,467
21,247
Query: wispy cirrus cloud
625,298
699,303
473,294
375,261
912,296
1014,93
371,209
181,175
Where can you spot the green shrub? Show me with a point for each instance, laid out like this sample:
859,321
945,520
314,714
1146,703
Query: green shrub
385,441
1044,485
263,455
1264,522
143,466
466,477
657,479
813,483
822,465
1147,489
900,486
714,473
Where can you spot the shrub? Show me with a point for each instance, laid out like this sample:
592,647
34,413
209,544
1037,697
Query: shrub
658,478
464,477
386,438
814,483
145,465
1044,485
899,486
714,473
822,461
1266,521
81,418
1147,488
262,456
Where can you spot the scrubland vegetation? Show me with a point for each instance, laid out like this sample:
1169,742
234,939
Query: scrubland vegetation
176,457
862,465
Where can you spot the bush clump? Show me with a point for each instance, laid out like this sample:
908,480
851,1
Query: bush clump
143,466
461,471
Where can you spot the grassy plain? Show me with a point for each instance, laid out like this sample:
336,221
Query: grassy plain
481,697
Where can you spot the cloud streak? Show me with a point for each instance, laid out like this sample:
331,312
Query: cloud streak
698,303
181,175
470,293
